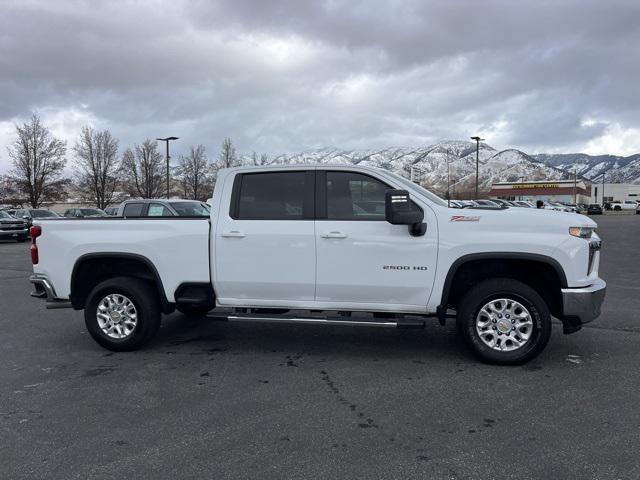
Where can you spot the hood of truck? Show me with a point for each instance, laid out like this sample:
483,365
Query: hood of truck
524,218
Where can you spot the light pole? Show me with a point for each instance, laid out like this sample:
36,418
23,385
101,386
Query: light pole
575,184
602,191
478,140
448,184
167,140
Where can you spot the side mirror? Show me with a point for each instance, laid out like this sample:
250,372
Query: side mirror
398,210
26,217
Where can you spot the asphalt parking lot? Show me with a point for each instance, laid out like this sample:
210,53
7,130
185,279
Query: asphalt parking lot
216,400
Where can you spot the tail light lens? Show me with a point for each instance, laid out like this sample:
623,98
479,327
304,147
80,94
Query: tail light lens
35,232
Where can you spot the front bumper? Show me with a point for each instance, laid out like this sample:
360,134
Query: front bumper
4,234
583,304
44,289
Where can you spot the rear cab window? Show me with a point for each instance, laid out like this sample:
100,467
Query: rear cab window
273,196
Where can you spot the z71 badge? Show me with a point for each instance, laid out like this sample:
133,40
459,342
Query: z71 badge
465,218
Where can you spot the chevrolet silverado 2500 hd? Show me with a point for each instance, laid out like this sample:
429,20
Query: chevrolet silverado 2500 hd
345,244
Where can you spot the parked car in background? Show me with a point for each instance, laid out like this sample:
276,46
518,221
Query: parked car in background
12,228
111,211
594,209
501,203
626,205
569,207
486,204
84,212
524,204
163,208
29,214
638,209
560,207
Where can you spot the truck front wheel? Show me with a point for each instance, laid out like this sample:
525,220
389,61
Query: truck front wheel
122,313
504,321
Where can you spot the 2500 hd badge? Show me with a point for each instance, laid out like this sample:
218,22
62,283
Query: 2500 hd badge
403,267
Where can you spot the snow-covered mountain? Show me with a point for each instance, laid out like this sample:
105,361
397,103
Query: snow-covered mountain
618,169
430,163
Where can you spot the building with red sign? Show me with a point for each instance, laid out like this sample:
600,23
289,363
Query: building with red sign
564,191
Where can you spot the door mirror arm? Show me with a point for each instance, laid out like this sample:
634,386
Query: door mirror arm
418,229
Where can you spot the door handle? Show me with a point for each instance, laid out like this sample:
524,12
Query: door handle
334,235
233,234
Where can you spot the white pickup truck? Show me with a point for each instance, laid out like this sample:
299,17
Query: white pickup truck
339,245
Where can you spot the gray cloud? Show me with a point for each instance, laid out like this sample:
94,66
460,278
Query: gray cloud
283,76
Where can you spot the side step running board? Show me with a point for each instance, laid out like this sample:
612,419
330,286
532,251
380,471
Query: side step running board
390,323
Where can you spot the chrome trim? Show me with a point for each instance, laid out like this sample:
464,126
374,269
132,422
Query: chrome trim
41,280
584,303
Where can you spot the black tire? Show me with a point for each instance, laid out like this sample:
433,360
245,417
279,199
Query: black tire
193,311
146,302
506,288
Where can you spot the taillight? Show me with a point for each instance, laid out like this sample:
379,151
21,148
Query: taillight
35,231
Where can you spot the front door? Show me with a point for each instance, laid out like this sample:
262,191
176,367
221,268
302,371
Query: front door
363,260
264,251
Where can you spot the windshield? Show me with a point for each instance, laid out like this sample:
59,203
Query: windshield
191,209
43,213
423,191
91,211
4,214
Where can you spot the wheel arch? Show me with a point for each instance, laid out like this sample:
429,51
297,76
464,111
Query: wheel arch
93,268
476,267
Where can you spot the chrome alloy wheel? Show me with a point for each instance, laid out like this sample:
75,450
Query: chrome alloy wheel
117,316
504,324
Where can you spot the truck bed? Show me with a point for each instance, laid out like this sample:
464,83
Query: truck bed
177,247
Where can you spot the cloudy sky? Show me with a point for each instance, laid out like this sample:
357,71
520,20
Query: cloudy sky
286,76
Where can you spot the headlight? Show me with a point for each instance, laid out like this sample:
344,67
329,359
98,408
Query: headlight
582,232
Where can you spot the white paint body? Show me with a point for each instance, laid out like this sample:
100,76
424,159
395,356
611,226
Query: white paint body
318,264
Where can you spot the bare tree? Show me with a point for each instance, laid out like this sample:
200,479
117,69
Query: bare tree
9,193
263,159
144,169
228,157
38,162
195,174
97,168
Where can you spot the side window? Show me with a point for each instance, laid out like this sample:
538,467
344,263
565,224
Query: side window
133,210
271,196
158,210
353,196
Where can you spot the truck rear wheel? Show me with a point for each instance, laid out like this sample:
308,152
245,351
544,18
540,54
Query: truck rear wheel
122,313
504,321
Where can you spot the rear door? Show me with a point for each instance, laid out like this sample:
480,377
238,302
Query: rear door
363,261
264,251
